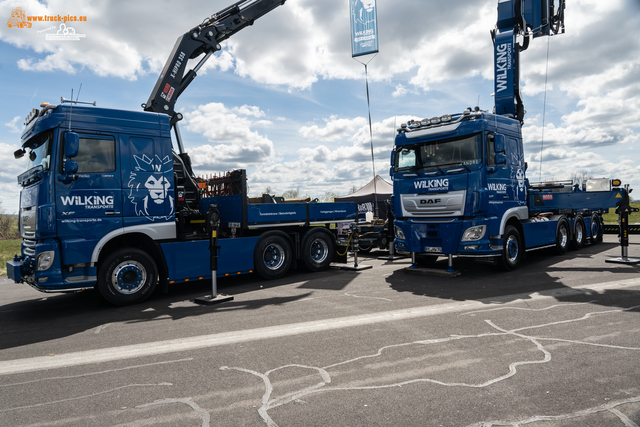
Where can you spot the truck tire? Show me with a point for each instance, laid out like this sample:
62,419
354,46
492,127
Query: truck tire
579,233
272,256
127,276
366,248
562,236
596,229
317,250
512,249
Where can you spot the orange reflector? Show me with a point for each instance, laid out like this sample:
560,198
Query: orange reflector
172,281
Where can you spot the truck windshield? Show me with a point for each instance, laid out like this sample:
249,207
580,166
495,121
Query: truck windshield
465,151
38,151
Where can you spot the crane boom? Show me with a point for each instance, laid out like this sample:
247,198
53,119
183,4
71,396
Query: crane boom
202,39
529,19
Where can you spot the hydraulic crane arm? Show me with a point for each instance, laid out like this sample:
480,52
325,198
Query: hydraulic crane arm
203,39
526,18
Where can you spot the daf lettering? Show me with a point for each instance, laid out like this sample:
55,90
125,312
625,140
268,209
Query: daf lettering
430,201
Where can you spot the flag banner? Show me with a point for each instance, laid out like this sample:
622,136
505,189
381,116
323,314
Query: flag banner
364,27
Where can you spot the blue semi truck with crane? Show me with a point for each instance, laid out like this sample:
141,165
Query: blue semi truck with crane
459,181
108,204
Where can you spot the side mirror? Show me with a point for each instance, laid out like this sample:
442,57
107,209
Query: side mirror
501,159
499,144
393,157
71,144
18,154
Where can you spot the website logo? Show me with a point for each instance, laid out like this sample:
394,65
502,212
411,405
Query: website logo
18,19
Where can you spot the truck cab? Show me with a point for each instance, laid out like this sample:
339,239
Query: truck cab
92,173
460,188
454,175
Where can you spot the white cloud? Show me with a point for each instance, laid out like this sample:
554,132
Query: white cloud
237,145
13,125
335,129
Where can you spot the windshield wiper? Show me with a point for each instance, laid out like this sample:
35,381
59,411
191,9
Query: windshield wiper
455,164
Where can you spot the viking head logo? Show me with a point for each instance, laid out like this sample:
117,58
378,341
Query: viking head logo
149,188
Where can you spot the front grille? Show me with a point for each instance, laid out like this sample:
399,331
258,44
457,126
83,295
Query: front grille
29,247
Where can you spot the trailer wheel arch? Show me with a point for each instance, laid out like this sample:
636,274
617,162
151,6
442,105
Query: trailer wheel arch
513,216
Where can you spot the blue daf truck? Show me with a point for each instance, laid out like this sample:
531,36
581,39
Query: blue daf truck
459,181
107,203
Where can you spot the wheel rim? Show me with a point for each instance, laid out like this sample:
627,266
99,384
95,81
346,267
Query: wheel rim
564,236
319,250
579,232
273,256
512,249
594,229
129,277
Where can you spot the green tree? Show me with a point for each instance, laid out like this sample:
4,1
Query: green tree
8,225
292,193
329,196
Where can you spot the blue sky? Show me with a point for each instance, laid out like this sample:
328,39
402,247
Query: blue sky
285,100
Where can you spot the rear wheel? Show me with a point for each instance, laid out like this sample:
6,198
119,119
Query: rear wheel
577,242
317,250
272,256
127,276
512,249
562,236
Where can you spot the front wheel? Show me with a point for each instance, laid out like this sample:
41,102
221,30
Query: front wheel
272,256
512,249
127,276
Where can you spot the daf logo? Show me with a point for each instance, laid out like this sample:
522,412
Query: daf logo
430,201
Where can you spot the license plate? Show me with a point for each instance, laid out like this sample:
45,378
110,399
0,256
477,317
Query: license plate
432,249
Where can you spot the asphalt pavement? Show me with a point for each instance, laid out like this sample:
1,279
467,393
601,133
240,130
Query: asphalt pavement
554,343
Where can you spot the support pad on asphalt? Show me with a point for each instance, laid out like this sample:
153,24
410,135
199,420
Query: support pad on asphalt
431,272
623,260
211,300
391,257
355,267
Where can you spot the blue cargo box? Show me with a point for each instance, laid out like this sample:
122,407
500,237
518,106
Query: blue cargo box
332,211
286,213
230,208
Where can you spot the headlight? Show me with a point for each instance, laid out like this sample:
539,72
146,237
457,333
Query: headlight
474,233
399,233
45,259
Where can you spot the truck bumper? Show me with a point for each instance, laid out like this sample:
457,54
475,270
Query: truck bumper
22,269
444,237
